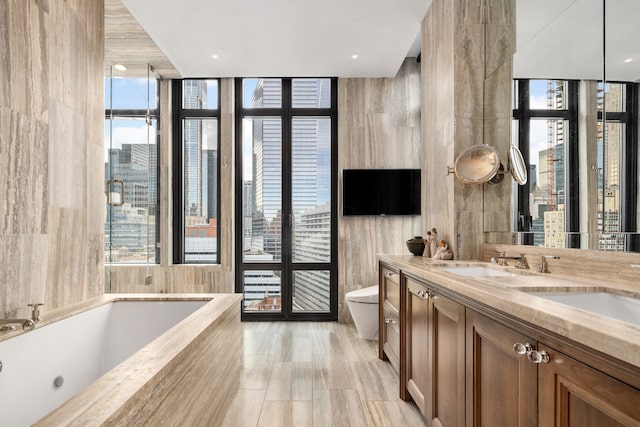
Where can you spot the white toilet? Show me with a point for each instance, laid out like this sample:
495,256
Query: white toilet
363,305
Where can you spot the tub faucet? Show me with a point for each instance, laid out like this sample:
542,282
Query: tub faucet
521,261
544,265
8,324
35,312
27,324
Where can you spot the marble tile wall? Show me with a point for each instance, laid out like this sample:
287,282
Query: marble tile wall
500,36
465,102
51,136
378,127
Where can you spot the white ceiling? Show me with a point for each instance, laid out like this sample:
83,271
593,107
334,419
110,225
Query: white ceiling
295,38
562,39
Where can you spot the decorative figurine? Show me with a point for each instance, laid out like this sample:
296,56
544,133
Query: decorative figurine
427,245
433,240
443,251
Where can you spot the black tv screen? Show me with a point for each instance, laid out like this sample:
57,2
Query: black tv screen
380,192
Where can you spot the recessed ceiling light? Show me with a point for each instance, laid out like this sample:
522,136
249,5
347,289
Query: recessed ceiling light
120,67
355,56
215,56
628,60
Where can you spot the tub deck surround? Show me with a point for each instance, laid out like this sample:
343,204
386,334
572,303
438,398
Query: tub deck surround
172,380
511,295
50,316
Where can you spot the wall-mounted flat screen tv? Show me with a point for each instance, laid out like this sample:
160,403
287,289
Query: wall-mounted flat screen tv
380,192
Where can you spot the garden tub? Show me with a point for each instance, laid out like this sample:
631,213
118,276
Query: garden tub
124,360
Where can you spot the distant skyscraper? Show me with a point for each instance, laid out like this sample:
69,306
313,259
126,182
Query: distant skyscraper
533,175
130,228
194,96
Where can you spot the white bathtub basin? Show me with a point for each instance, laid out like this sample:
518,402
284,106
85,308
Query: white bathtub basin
76,351
615,306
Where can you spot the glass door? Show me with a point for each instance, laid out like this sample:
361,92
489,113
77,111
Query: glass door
131,171
286,236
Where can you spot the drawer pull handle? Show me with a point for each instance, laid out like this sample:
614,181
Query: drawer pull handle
421,293
536,356
519,348
389,275
388,320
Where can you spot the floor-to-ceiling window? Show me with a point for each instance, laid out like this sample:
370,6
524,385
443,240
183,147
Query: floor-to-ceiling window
196,172
285,197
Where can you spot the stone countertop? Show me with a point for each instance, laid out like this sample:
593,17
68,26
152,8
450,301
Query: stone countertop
510,294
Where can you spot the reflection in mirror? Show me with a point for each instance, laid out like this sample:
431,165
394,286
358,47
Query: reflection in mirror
583,175
477,164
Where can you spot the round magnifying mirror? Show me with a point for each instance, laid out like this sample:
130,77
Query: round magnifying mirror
517,165
477,164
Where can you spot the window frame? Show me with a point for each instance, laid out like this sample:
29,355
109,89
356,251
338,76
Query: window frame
287,113
177,167
629,155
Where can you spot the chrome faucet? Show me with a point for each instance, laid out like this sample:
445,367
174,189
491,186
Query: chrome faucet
544,265
35,312
8,323
502,260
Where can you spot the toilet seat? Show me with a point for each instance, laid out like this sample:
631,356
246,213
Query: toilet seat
368,295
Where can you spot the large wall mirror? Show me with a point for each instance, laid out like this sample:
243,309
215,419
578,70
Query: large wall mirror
583,186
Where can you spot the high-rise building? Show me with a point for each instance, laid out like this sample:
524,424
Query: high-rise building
312,243
194,96
130,234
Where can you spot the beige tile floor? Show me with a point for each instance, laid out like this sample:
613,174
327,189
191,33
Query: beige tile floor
315,374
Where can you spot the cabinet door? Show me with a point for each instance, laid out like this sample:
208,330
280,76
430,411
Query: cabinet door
501,385
391,288
391,340
417,342
574,394
389,315
445,407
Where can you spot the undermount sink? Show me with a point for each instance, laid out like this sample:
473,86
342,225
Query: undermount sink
615,306
478,271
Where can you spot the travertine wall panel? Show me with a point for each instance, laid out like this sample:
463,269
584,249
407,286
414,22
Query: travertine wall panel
438,117
378,127
23,173
500,36
466,87
51,158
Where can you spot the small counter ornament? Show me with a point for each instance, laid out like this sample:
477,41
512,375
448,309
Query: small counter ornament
443,251
430,243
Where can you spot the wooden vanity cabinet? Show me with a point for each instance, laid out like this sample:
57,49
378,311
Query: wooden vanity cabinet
434,353
467,364
505,388
571,393
501,385
417,345
389,316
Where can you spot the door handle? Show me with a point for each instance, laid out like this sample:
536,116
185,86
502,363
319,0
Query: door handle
108,191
